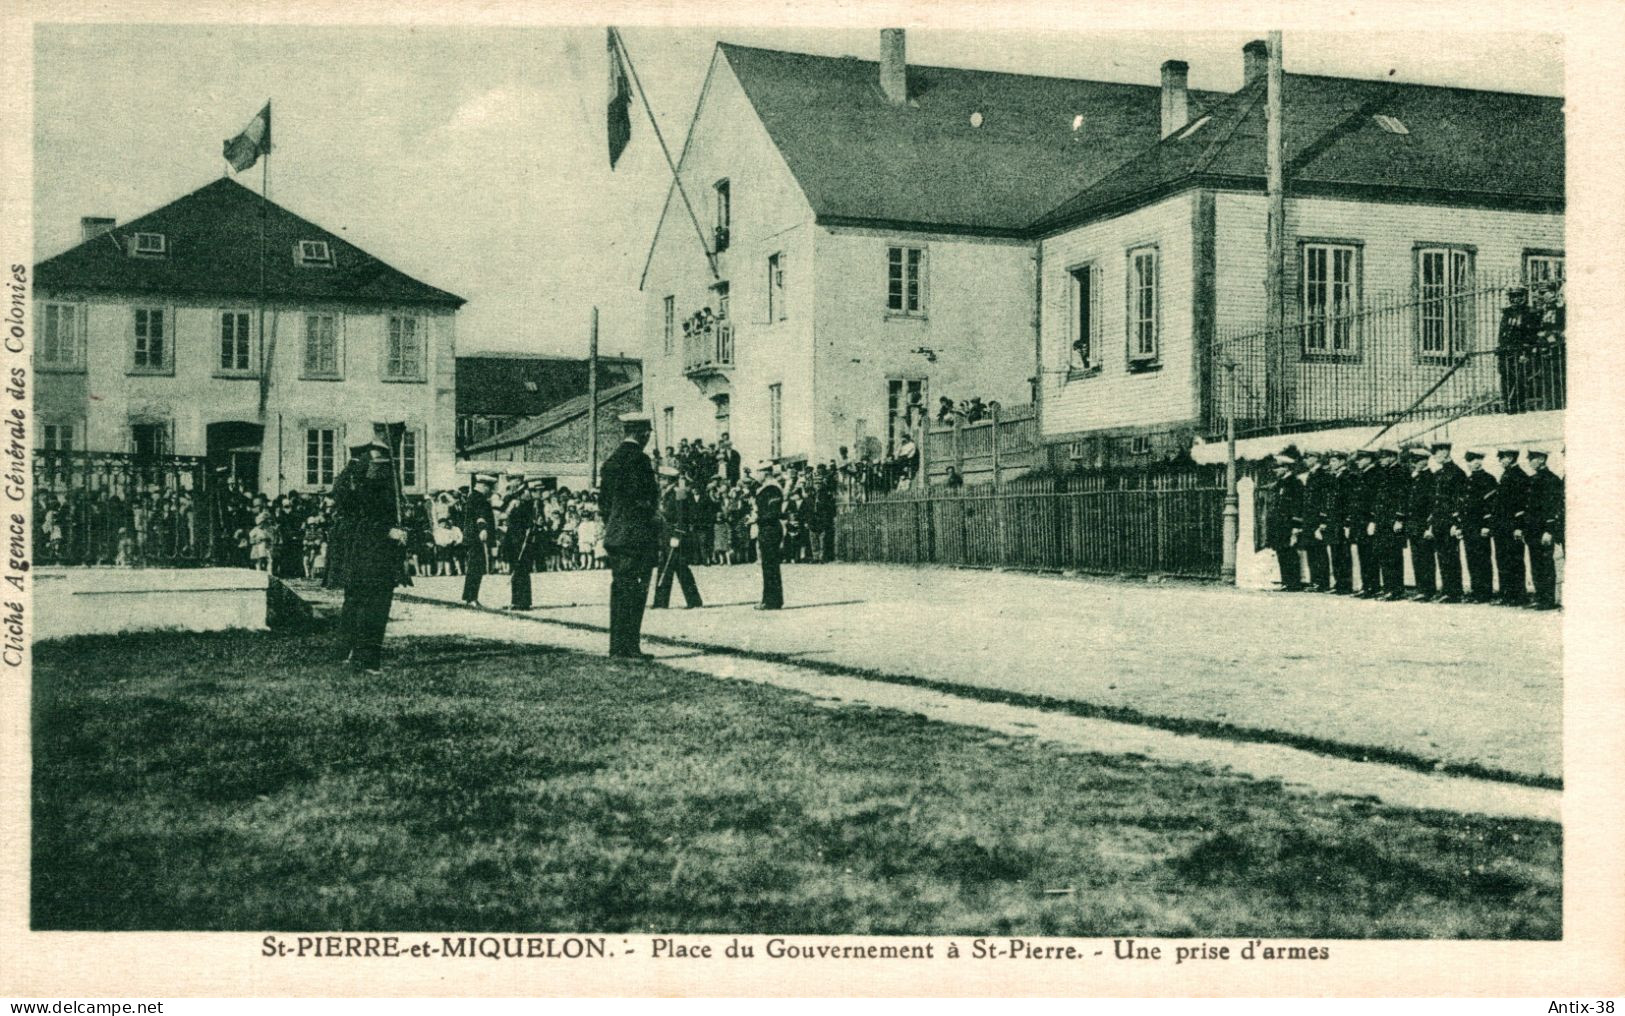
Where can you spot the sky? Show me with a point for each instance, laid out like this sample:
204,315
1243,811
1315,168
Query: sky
474,158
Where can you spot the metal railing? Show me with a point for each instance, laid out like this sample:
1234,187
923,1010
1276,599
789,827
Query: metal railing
709,349
1391,358
93,508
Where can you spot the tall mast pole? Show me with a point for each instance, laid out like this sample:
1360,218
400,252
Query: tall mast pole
592,402
1275,238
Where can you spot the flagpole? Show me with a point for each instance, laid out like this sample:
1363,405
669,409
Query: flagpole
710,255
265,212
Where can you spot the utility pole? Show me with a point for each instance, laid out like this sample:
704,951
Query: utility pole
1232,503
1275,237
592,402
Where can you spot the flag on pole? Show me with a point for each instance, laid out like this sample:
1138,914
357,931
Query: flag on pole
246,148
620,104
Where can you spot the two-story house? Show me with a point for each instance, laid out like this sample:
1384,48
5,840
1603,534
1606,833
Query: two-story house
853,236
223,325
1409,211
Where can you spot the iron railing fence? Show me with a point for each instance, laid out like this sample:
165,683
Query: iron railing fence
1390,358
96,508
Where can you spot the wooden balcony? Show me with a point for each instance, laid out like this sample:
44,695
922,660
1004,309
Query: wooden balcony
710,353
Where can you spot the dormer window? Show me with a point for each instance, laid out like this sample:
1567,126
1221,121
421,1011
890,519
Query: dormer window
1391,124
313,253
148,245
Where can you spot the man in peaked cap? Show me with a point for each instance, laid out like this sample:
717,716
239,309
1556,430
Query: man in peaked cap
1511,505
519,544
479,527
1318,489
377,546
1285,521
1363,482
339,535
1418,507
1445,522
629,499
682,518
1545,528
1515,347
770,535
1477,525
1391,514
1342,505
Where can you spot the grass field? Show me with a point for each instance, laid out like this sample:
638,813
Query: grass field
243,781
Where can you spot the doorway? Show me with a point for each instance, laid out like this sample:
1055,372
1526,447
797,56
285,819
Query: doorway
233,450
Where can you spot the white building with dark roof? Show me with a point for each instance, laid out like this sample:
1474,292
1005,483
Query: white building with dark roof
166,336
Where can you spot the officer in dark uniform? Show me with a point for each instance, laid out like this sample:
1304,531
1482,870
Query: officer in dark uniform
1318,489
1477,525
520,544
479,527
1342,500
1363,489
1392,514
338,535
770,535
1515,348
1545,529
1284,523
682,519
1419,534
1511,504
628,499
1444,521
376,547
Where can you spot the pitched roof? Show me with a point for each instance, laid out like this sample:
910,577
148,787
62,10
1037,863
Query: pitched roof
213,240
556,417
509,385
860,159
1461,146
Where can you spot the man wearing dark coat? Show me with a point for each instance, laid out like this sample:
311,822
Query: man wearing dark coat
1343,504
1511,505
1392,513
770,535
1515,349
479,527
1363,490
376,545
1544,530
1445,522
1318,489
1477,525
628,498
1419,508
519,544
1284,524
682,519
339,536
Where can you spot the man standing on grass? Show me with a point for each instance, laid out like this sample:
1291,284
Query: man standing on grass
629,499
681,513
770,535
519,544
339,535
376,544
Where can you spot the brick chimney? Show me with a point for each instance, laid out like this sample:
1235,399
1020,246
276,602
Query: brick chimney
1255,61
1175,100
893,66
92,226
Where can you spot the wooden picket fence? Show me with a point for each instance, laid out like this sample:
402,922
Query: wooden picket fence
1119,523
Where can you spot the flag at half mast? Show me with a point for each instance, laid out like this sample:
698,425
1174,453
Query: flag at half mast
246,148
620,104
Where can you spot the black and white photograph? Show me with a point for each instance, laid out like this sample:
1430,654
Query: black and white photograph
865,497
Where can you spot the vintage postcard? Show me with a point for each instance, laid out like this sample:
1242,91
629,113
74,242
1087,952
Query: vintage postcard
684,500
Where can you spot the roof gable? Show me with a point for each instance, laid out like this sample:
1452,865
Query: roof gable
1461,145
859,159
213,241
554,418
530,385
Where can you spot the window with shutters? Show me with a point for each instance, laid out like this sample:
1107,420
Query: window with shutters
1144,308
1328,296
153,352
905,281
62,337
403,359
322,354
1084,320
1444,307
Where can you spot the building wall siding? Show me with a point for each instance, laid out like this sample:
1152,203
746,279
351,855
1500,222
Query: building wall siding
977,321
109,396
769,214
1117,397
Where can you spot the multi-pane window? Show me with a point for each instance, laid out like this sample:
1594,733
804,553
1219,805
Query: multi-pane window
1328,293
321,449
668,324
1143,300
234,340
151,340
775,287
1542,267
404,355
723,199
905,398
722,300
1085,317
775,421
149,245
905,280
314,252
1444,284
58,436
149,439
409,458
321,344
61,336
668,425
